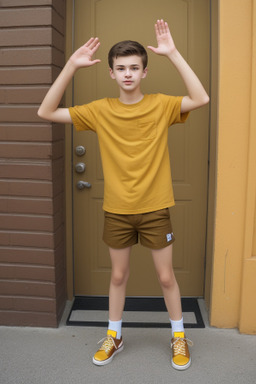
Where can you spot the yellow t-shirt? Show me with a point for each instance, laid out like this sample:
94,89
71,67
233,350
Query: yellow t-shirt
134,150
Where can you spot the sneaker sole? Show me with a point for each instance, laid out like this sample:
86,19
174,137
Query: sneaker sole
181,367
104,362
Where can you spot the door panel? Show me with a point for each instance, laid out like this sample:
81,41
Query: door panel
112,21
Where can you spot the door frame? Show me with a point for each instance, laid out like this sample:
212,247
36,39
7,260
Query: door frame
213,75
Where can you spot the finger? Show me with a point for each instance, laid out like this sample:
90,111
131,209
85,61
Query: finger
163,26
94,43
160,26
89,42
95,48
166,26
157,27
153,49
95,62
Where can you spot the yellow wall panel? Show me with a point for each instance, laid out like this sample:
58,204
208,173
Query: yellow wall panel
234,125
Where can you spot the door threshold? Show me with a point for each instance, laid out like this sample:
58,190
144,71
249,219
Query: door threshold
139,312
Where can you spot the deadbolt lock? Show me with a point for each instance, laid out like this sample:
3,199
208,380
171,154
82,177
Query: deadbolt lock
80,150
80,167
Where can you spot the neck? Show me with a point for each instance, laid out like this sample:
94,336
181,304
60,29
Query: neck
130,97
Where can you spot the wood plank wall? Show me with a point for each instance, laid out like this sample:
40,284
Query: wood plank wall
32,251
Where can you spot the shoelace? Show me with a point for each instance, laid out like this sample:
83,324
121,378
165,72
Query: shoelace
179,345
109,342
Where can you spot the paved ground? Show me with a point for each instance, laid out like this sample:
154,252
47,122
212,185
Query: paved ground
63,356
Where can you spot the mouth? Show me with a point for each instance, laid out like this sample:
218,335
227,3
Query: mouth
127,82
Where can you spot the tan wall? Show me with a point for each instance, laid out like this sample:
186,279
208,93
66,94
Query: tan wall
234,261
32,248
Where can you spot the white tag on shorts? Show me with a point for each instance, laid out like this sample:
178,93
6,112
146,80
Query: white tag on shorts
169,237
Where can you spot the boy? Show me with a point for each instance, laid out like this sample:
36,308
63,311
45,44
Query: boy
132,132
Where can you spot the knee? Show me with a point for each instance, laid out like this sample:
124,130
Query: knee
119,277
167,280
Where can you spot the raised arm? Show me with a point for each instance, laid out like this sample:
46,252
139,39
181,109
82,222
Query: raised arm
197,96
49,109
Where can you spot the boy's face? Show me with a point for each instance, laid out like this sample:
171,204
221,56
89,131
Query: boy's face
128,72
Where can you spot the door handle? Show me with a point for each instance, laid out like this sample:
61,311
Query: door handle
83,184
80,167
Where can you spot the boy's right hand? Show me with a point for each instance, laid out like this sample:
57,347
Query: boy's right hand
82,57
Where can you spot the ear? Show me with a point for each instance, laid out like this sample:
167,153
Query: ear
112,74
144,73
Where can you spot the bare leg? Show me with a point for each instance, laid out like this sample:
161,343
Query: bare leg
119,276
163,263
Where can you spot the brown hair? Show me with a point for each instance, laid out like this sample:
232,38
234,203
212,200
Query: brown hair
127,48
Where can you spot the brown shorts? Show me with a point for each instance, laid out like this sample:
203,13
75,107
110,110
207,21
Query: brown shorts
154,229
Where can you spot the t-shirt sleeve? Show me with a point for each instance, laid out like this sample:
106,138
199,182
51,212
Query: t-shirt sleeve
84,117
172,106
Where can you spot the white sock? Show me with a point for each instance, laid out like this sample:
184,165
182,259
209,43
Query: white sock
177,325
116,326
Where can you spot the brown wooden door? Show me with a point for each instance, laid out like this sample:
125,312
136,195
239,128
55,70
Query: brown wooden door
112,21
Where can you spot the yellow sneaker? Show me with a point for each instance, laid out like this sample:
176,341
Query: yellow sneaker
110,347
180,353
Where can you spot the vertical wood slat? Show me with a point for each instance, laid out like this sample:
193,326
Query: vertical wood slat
32,250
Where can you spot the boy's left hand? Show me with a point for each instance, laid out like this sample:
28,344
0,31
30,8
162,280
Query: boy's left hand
164,39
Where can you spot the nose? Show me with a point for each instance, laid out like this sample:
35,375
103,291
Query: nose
127,73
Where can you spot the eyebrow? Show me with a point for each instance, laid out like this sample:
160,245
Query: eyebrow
123,66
